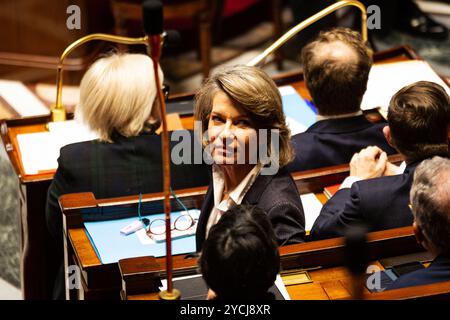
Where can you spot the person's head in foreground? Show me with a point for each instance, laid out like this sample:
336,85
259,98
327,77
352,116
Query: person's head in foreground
336,68
240,259
418,118
430,204
118,96
232,106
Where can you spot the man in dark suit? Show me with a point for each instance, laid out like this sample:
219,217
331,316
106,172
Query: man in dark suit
430,203
418,118
336,69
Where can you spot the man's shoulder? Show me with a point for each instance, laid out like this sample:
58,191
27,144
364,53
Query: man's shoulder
381,183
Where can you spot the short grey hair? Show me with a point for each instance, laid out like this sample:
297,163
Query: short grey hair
430,200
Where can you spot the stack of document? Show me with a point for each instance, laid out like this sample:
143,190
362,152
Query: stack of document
388,78
311,207
40,151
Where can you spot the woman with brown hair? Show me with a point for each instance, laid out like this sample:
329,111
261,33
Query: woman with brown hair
248,142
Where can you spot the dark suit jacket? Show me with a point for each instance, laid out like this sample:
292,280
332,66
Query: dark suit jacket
334,141
128,166
438,271
278,196
380,203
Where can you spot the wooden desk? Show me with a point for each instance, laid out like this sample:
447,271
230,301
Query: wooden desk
103,280
36,242
323,259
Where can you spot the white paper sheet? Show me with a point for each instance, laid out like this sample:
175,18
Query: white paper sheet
37,152
311,207
386,79
280,285
40,151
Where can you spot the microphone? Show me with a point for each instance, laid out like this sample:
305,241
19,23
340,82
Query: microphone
153,27
152,14
356,256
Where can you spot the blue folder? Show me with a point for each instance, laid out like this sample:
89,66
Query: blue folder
299,109
111,246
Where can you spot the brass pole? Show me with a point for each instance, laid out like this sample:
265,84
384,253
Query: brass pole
305,23
154,51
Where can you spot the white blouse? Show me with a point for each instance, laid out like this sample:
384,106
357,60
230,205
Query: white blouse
235,196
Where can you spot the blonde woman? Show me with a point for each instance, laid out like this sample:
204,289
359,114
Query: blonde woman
236,107
118,102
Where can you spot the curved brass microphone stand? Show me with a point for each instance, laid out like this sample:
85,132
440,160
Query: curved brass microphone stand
58,112
305,23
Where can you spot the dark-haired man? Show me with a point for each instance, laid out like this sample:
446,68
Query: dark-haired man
418,118
336,69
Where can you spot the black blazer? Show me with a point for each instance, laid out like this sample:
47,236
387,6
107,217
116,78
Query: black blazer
128,166
278,196
437,271
380,203
334,141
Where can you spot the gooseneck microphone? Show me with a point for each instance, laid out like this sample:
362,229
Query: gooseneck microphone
152,12
153,27
356,257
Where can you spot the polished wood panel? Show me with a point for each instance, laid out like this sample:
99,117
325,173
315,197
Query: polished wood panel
34,34
323,259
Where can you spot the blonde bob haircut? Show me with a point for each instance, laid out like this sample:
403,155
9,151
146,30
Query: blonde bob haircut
253,90
117,94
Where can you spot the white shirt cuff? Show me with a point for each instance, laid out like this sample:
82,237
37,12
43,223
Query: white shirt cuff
347,183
